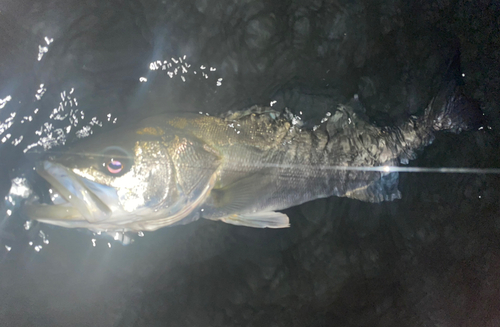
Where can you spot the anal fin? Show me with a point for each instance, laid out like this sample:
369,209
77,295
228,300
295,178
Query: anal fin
384,189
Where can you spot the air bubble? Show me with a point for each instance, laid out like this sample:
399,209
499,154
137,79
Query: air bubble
27,225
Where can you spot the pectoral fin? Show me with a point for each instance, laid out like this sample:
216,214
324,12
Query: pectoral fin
268,219
227,204
240,195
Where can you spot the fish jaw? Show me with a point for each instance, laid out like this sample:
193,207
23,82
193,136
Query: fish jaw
84,200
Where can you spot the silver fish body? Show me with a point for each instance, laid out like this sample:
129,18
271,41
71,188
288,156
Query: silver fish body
241,168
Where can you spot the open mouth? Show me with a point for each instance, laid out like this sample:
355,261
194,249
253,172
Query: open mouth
73,198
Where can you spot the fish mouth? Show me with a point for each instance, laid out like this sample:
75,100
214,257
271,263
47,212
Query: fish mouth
78,199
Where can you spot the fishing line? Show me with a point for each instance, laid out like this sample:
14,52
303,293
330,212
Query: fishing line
390,169
383,169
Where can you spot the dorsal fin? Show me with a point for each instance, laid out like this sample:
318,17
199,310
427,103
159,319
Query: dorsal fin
257,110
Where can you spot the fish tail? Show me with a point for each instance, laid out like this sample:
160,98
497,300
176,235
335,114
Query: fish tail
452,111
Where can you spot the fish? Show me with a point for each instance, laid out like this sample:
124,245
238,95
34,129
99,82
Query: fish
242,168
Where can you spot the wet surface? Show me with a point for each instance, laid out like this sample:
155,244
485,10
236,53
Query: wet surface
429,259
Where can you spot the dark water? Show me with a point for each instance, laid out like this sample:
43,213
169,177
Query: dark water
429,259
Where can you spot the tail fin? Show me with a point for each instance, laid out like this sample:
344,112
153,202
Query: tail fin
451,110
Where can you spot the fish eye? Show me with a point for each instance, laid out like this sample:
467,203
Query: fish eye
116,161
114,166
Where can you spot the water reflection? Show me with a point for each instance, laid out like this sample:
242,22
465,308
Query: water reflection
343,262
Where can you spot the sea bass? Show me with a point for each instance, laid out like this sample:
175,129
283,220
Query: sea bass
240,168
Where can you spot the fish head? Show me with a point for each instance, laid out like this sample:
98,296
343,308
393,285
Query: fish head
118,181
